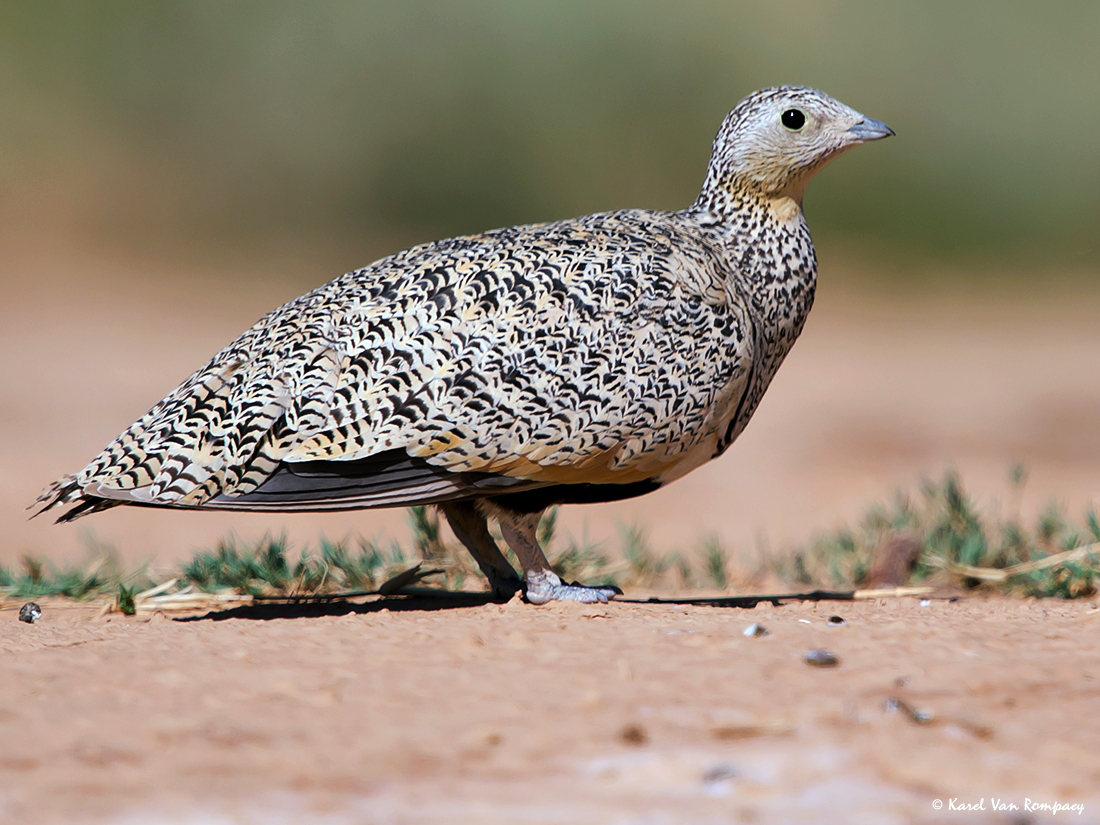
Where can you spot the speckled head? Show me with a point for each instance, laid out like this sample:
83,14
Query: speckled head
774,140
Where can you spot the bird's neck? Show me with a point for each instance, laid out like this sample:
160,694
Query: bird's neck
771,262
767,244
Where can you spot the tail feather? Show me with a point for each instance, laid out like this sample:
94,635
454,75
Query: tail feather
87,506
67,490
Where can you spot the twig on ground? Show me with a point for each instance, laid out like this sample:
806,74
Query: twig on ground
1002,574
891,593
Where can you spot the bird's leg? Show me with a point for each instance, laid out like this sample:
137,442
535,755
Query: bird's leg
471,529
543,584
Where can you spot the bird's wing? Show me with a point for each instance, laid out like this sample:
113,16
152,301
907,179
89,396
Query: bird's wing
598,351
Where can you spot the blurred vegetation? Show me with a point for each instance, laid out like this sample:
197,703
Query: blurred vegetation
101,574
382,124
957,545
267,569
955,541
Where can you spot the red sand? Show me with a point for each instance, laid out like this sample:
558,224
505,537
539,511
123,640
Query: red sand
563,713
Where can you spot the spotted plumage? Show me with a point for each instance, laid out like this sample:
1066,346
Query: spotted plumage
497,374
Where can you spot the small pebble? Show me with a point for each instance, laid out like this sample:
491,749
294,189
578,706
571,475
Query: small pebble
755,630
720,773
30,612
805,621
925,602
835,621
634,735
915,715
821,658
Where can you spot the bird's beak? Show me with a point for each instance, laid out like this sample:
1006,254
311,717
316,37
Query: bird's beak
868,129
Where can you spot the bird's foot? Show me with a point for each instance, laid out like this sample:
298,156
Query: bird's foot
546,587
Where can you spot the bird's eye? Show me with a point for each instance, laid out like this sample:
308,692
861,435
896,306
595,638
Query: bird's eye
793,119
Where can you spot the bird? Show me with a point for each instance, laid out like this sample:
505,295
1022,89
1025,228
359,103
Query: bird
499,374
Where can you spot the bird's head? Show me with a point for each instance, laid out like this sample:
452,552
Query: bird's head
775,139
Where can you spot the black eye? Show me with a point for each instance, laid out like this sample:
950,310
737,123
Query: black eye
793,119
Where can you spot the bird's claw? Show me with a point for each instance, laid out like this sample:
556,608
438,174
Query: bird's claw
549,588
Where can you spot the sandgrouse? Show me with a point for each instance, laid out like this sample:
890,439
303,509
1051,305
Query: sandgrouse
495,375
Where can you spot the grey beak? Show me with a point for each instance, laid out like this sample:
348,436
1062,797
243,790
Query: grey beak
868,129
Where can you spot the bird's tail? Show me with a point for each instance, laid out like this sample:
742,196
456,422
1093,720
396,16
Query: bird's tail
67,490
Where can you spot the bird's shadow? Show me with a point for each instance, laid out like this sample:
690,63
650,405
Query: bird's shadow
313,607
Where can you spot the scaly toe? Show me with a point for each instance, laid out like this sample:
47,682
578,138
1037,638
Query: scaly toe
550,592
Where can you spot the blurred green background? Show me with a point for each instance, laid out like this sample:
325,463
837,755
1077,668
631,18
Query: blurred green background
383,124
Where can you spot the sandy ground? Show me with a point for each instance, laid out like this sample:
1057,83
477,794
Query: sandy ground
399,712
406,713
